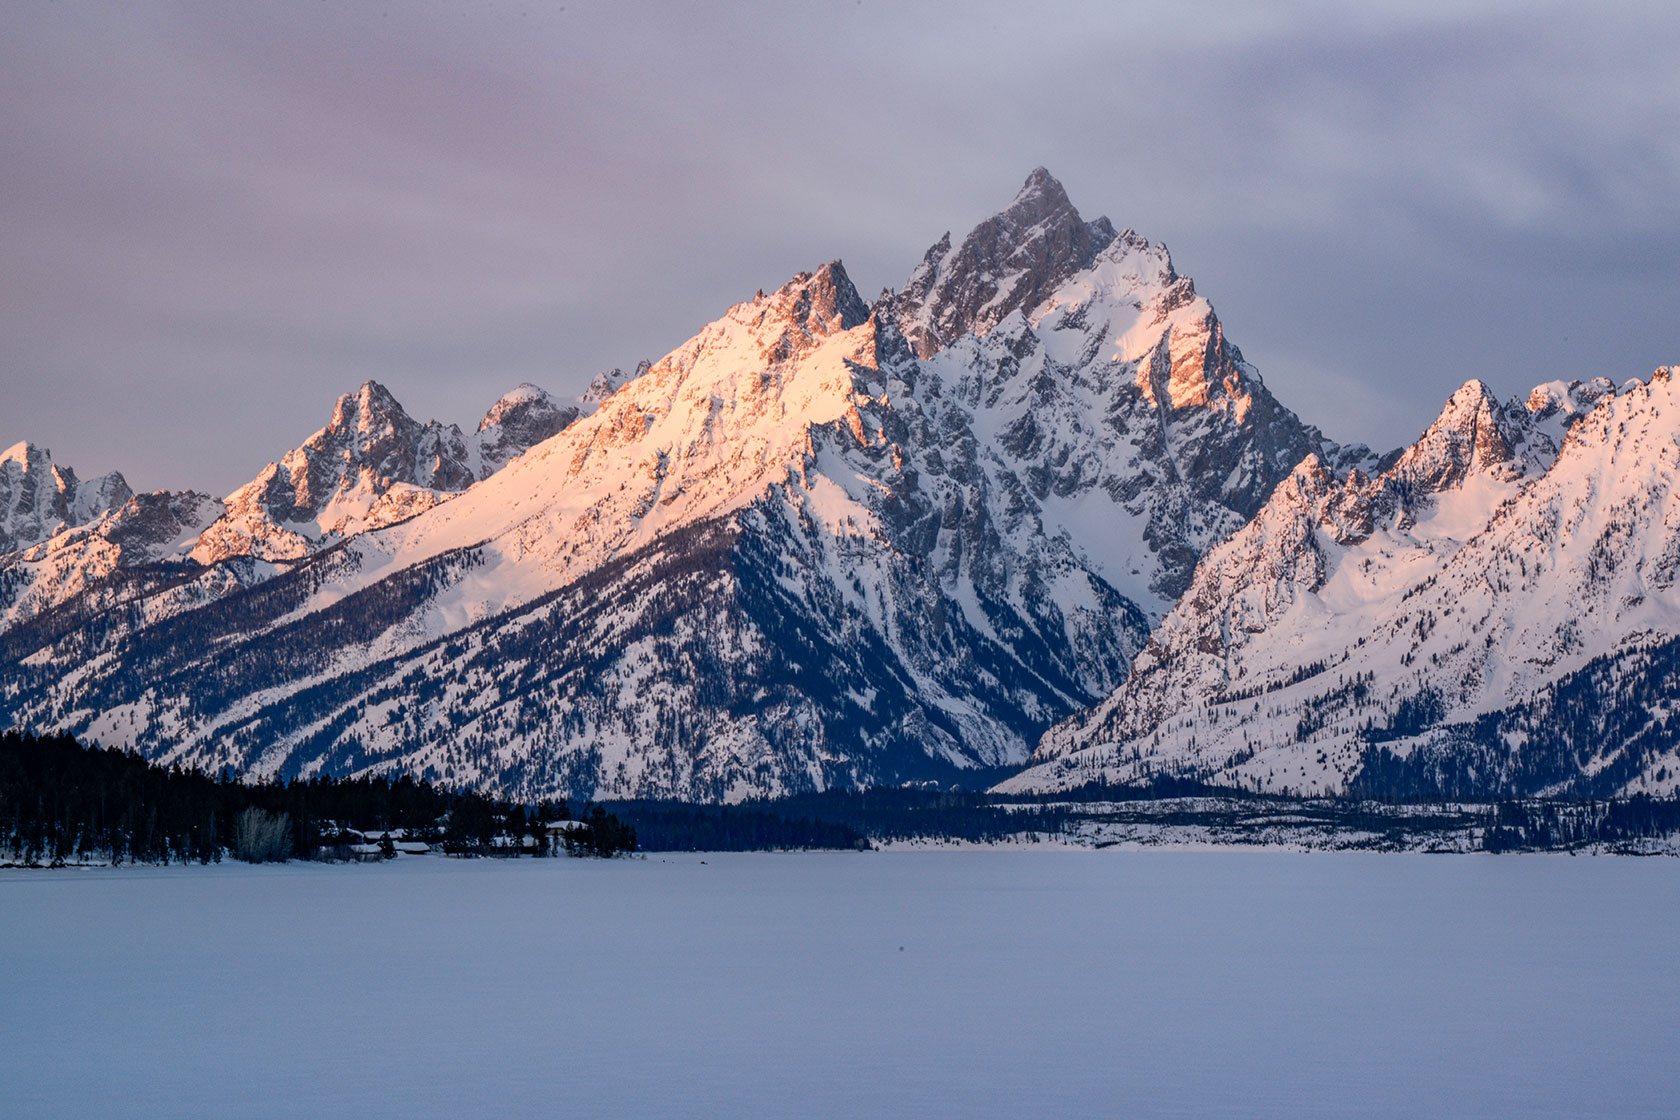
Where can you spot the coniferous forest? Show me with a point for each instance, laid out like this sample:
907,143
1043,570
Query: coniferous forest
61,802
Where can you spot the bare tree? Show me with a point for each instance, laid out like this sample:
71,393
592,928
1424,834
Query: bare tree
262,837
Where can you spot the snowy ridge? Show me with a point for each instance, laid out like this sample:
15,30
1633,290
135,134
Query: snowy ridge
517,422
371,465
1488,565
91,560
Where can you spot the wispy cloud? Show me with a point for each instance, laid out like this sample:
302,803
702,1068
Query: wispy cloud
240,211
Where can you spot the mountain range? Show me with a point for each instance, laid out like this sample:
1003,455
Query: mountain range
1494,612
1031,509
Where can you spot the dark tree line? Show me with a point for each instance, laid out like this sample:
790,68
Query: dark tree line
61,802
672,826
842,819
1587,736
890,813
1527,825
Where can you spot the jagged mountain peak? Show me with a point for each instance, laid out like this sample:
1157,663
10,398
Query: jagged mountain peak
1633,419
1040,195
764,332
370,428
1131,306
787,554
369,399
518,421
1568,398
698,432
1471,435
523,397
1117,377
29,456
817,303
1009,262
1475,435
1132,255
371,411
1473,394
39,497
1043,201
608,382
371,464
1311,478
782,569
812,312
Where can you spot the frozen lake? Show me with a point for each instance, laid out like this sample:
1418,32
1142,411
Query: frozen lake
1006,983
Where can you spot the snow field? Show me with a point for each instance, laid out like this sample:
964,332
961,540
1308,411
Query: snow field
914,984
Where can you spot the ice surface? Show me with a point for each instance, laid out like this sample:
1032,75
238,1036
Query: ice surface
989,983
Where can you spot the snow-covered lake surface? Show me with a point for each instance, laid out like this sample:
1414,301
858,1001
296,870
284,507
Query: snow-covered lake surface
986,983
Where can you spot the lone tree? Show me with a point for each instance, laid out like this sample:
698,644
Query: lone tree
262,837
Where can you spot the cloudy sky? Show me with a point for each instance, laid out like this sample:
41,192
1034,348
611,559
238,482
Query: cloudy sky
214,218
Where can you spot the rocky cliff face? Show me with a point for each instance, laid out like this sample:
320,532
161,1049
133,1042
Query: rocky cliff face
1010,262
127,555
717,584
515,424
371,465
1115,399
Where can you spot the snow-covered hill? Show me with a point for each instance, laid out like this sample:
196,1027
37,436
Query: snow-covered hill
798,551
1413,631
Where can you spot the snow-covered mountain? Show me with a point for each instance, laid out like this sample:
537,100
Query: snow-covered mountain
1414,631
798,551
518,422
371,465
716,584
129,554
1098,381
39,498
